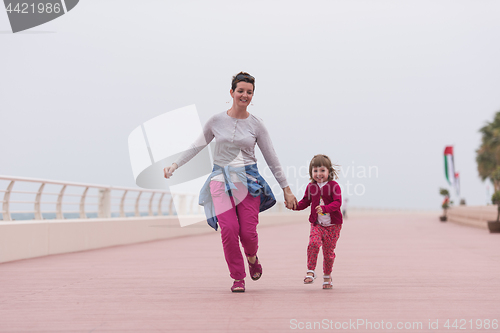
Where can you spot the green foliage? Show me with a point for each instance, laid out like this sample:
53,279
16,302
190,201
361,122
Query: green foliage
495,198
495,175
446,202
488,154
444,192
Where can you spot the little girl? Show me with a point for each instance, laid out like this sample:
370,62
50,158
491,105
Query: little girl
323,195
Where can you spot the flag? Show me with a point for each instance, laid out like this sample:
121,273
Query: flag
449,167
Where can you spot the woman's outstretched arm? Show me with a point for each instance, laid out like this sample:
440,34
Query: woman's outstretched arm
201,142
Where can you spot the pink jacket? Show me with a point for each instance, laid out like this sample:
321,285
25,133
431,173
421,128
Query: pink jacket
331,196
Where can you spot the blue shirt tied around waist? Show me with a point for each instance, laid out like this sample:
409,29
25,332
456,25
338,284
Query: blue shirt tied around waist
255,188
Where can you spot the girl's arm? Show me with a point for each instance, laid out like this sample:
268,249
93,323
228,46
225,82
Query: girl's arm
337,200
305,202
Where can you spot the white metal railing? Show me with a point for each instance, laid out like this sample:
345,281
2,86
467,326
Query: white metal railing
105,205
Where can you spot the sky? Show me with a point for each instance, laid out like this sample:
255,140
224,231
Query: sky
380,86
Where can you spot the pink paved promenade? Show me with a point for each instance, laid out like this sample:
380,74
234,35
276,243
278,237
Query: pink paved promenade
405,271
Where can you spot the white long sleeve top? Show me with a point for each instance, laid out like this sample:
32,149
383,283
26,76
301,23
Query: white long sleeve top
235,141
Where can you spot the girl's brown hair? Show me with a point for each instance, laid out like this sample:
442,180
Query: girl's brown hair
242,77
323,160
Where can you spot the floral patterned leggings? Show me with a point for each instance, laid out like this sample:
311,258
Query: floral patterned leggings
326,237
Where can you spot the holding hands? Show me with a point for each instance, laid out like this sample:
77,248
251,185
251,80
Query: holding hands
290,200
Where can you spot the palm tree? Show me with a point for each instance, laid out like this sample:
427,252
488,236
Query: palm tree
488,154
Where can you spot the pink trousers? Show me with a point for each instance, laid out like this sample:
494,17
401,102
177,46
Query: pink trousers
238,218
327,238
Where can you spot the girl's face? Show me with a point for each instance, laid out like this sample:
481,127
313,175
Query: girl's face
320,174
242,95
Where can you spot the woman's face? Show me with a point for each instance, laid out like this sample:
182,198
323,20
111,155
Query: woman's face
242,95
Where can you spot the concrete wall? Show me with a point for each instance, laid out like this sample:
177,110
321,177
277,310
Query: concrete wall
29,239
474,216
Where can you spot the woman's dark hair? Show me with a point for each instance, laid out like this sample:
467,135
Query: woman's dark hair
323,160
242,77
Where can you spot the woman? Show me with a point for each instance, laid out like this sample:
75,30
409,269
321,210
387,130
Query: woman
235,192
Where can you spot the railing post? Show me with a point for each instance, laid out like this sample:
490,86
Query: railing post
104,203
171,205
150,207
82,203
122,204
159,204
137,212
59,214
38,198
5,204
